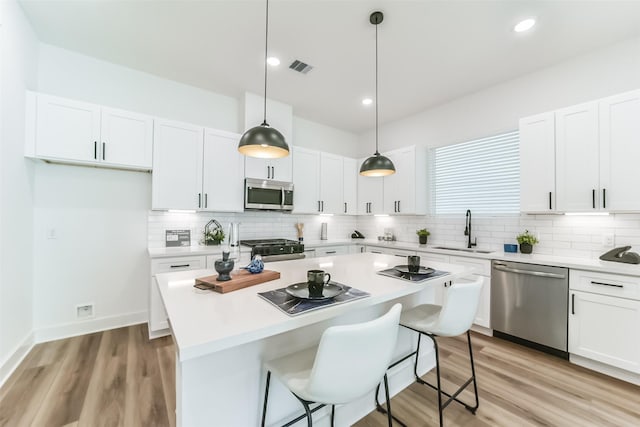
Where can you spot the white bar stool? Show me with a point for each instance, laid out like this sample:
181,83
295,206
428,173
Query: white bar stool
349,362
453,318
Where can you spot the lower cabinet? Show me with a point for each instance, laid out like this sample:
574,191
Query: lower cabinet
158,324
604,318
400,253
331,250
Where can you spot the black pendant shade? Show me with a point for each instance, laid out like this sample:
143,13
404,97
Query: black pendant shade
263,142
377,165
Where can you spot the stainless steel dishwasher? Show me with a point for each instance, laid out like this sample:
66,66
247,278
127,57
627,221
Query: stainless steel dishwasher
529,305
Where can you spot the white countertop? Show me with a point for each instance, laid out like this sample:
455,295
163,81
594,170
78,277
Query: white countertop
203,322
590,264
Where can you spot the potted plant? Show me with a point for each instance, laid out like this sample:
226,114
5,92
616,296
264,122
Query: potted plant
213,234
526,241
423,233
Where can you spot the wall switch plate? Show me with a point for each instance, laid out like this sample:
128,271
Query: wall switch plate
608,240
84,311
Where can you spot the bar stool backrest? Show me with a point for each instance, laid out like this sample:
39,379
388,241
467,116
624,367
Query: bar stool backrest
459,309
352,359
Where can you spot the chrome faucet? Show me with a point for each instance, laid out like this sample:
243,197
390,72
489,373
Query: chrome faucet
467,231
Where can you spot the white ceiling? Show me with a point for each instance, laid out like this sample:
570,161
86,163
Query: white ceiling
430,51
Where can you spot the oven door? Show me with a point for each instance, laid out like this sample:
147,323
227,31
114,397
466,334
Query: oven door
268,195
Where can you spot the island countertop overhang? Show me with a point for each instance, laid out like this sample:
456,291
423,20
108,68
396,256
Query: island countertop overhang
203,322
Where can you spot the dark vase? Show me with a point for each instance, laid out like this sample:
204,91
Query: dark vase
422,240
526,248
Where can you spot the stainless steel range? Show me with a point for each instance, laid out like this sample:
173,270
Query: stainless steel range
275,249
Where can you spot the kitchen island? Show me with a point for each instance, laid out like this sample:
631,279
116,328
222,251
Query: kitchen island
223,339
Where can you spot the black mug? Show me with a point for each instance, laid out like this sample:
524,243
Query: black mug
316,279
413,263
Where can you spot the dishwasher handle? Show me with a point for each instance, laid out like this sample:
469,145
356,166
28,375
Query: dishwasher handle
502,267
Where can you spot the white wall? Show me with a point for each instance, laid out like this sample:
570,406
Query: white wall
497,109
316,136
18,67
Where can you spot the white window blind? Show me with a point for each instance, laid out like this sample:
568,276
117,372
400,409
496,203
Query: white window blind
482,175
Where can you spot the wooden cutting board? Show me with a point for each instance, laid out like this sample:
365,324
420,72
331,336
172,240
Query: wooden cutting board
239,279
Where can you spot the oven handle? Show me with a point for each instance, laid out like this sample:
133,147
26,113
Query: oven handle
502,267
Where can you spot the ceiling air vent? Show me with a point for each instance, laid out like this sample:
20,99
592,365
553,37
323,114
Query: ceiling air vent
300,67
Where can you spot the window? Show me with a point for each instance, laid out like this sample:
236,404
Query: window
482,175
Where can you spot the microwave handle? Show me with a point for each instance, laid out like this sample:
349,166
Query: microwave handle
282,200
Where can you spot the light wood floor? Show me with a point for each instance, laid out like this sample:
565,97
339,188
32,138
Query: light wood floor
119,378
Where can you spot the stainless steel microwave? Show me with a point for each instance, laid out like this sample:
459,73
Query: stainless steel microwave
262,194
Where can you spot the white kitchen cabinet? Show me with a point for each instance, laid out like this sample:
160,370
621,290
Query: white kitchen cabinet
369,194
350,170
405,192
222,172
83,133
331,250
177,161
537,153
306,181
331,183
280,117
577,162
604,316
619,151
196,168
400,253
158,323
481,268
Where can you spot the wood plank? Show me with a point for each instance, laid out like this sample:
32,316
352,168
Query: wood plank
239,280
167,360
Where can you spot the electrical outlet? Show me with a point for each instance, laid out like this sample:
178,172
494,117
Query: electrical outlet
84,311
608,240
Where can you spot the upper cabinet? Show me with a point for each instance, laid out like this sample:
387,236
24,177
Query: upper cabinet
280,117
537,153
587,152
69,131
350,169
196,169
321,182
404,192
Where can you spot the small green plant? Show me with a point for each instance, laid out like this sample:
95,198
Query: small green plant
526,238
423,232
214,236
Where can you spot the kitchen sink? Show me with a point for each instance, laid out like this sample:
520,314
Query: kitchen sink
477,251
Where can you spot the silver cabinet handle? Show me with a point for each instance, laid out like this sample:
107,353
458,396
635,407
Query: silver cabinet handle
273,172
268,172
282,195
206,203
528,272
199,200
607,284
104,149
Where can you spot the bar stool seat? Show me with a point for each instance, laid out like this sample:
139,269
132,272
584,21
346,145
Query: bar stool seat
349,362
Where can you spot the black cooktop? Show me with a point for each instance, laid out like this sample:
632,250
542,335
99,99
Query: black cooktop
267,242
273,246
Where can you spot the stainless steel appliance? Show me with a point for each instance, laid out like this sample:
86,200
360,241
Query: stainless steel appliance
275,249
262,194
529,305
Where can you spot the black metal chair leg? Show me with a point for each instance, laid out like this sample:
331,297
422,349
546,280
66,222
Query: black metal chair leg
307,410
386,393
266,397
435,346
333,414
473,375
415,366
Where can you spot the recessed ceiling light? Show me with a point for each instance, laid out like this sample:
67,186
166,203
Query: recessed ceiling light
524,25
367,101
273,61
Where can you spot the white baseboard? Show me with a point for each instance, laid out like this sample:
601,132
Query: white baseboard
15,358
609,370
89,326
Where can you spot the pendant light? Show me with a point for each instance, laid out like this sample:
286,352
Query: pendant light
377,165
264,141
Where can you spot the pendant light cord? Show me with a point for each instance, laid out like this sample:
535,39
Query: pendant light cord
377,153
266,48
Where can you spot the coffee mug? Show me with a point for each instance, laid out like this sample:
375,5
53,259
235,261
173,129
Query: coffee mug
413,263
316,279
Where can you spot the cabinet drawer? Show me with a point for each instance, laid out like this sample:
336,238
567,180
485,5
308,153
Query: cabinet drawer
332,250
165,265
480,267
605,284
426,256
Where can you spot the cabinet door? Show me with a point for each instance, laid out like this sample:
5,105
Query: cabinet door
222,172
257,168
605,329
282,168
306,172
619,152
537,163
67,129
331,183
577,158
399,196
350,187
177,166
276,169
370,190
126,138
